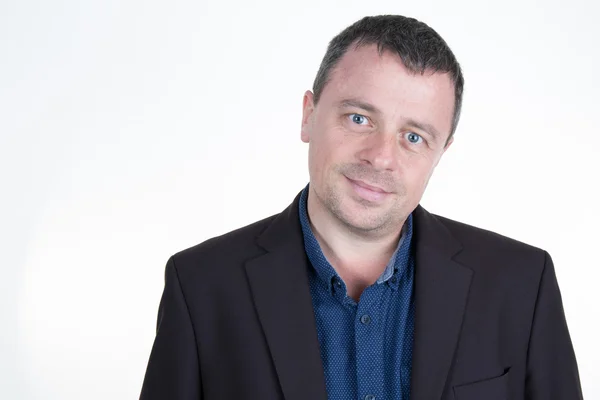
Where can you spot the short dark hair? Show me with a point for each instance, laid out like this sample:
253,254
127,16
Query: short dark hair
420,48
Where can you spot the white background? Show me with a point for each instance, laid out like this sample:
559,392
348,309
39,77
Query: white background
133,129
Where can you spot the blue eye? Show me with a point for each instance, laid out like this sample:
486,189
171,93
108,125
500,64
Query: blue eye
359,119
413,137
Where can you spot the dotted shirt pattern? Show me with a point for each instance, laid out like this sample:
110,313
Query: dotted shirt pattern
366,346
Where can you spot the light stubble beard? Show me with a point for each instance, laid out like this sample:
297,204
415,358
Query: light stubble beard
376,221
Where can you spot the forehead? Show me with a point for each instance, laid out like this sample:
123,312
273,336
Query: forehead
383,80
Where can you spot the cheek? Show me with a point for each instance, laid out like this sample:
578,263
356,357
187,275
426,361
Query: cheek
419,172
320,158
330,147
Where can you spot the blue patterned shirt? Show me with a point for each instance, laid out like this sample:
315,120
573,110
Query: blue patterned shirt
366,347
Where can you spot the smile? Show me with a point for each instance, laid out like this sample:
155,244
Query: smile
368,192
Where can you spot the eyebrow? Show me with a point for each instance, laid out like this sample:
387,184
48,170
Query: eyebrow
372,109
425,127
359,104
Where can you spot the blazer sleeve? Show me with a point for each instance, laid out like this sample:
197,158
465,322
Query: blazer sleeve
552,372
173,371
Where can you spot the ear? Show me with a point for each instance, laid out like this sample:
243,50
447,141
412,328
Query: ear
449,143
307,111
443,151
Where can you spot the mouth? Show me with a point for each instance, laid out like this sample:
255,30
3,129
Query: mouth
368,192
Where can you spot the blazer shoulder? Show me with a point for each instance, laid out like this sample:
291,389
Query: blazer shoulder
483,244
233,245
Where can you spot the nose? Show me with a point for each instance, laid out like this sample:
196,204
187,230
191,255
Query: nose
381,150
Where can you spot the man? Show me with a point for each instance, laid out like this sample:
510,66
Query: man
355,291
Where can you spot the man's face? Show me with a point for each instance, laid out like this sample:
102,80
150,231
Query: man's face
377,125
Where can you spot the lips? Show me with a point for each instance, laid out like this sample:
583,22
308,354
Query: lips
370,187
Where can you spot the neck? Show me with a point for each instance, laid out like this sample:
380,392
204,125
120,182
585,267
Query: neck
359,257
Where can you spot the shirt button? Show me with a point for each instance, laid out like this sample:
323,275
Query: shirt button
366,319
336,283
393,280
369,397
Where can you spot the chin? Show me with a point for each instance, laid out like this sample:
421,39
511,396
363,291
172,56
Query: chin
362,217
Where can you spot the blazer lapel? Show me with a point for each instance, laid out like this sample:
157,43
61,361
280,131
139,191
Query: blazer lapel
280,288
441,289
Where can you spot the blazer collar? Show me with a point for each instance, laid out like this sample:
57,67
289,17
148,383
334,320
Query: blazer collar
280,288
441,289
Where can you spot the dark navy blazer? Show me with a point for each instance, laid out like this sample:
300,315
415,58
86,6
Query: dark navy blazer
236,318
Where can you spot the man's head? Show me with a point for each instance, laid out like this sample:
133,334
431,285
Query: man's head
385,106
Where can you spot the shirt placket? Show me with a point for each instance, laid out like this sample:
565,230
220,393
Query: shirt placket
369,344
